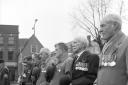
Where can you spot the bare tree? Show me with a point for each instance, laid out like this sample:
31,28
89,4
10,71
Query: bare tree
122,10
90,14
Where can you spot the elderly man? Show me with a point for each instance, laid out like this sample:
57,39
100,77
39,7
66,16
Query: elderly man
114,56
85,64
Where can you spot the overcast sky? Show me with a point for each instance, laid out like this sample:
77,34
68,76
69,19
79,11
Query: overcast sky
54,20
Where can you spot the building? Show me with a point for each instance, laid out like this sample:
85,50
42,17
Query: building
9,37
27,48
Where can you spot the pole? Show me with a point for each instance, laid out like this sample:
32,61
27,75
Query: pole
34,26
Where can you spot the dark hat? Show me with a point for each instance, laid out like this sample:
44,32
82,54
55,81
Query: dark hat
1,61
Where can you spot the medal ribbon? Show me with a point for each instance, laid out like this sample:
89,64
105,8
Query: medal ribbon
113,45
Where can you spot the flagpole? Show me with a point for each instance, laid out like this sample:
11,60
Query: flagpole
34,26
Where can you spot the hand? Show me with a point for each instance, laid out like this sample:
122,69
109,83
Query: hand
44,83
33,78
5,76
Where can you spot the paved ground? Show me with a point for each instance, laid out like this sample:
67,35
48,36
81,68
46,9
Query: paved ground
14,83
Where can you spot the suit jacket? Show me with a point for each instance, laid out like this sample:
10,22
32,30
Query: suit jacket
115,50
84,69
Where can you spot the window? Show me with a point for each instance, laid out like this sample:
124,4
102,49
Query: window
10,40
1,54
10,35
1,40
33,48
10,55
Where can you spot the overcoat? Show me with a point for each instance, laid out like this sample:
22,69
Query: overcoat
114,61
85,68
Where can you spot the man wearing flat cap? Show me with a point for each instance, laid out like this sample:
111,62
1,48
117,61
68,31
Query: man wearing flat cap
114,56
4,74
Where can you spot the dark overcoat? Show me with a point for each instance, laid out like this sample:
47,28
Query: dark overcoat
85,68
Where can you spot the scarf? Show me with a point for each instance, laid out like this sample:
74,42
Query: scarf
113,42
111,47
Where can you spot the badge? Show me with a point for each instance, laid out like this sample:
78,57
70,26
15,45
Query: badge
24,75
78,68
59,70
113,63
105,63
43,71
109,60
81,66
85,69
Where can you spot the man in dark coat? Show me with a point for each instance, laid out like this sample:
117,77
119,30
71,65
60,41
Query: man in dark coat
26,76
4,74
35,74
85,65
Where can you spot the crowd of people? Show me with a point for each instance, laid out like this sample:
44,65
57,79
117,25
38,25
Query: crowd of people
83,62
79,65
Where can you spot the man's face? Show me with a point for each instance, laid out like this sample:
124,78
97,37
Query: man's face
59,51
44,55
76,45
106,29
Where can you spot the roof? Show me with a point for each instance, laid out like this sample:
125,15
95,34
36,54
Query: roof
9,29
33,36
22,42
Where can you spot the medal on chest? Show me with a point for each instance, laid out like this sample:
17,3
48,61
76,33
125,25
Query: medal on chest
109,60
81,66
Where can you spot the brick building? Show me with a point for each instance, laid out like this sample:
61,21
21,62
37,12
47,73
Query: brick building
9,37
27,46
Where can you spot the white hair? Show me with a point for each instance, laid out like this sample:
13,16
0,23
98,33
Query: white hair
44,50
82,40
113,18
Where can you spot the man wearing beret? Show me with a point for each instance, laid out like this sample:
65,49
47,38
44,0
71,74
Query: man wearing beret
4,74
114,56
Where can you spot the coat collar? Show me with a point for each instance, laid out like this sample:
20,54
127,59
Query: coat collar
113,41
